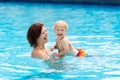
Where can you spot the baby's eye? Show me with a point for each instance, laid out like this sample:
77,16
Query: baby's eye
62,30
57,29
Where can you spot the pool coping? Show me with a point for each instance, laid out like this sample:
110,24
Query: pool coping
99,2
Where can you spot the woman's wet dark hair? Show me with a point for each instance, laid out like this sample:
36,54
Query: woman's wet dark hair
33,33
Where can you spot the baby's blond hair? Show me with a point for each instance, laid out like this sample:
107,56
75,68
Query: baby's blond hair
60,23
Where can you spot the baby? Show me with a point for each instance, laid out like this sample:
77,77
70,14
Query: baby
63,44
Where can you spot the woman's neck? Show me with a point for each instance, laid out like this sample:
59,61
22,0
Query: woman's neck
41,46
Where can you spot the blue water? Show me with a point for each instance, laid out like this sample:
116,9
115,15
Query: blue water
94,28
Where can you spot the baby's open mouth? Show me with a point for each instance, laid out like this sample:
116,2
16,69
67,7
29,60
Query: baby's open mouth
59,34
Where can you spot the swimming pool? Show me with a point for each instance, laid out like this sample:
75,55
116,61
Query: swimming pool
94,28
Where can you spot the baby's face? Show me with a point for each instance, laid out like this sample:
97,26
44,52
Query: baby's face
60,31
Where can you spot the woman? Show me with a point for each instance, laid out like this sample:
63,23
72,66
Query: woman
37,36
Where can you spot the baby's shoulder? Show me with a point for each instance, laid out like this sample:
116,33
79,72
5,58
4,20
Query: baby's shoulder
65,40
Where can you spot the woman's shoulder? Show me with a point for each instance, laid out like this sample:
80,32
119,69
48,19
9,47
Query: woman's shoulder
35,52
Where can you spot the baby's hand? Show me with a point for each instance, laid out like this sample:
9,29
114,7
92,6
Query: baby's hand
52,49
54,54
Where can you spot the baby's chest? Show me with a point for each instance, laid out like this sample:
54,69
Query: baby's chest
60,44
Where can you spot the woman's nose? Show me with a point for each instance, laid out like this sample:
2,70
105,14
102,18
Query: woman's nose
46,32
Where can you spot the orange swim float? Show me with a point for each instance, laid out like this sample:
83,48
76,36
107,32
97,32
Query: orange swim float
81,53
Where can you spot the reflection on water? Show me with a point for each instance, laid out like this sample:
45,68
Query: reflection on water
58,64
68,68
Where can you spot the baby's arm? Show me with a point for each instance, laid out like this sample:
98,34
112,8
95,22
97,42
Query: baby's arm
54,47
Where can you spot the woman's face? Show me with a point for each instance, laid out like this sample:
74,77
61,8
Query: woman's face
44,35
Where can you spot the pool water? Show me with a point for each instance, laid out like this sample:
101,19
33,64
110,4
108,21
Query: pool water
96,29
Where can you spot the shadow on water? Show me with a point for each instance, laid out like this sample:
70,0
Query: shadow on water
42,75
